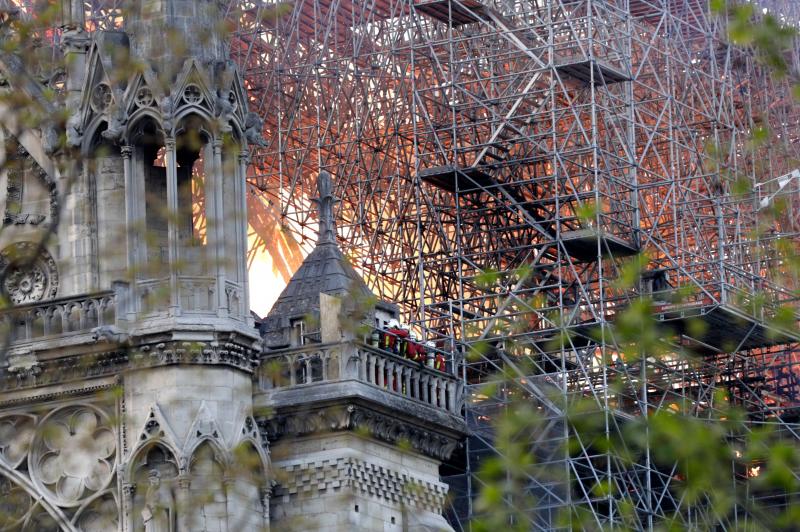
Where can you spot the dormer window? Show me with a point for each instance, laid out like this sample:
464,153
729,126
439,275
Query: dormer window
298,332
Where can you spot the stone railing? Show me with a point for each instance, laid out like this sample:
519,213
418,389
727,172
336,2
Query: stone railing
321,363
27,323
195,294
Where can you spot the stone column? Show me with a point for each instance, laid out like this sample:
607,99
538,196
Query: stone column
241,227
131,231
184,502
233,511
128,491
266,494
172,225
216,221
74,45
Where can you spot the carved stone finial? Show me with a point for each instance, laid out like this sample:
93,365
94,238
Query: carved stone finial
327,223
74,131
253,127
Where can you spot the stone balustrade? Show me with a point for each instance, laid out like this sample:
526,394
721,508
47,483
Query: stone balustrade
27,323
195,294
320,363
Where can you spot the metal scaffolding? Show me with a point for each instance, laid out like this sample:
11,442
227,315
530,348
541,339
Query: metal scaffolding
500,162
547,142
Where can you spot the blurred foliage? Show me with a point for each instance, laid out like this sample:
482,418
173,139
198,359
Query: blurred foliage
699,449
717,461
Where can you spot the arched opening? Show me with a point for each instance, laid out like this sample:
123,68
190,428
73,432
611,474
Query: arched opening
233,216
154,482
150,162
193,156
248,477
207,493
315,368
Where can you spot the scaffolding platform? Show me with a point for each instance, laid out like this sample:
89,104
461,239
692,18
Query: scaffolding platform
581,244
452,179
460,13
604,74
723,329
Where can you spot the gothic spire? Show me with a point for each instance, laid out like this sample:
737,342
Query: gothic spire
327,223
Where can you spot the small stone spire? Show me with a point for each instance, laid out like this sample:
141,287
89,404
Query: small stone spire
327,223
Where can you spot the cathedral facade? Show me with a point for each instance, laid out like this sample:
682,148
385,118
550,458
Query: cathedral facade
137,392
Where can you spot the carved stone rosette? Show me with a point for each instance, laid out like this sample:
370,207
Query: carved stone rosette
28,273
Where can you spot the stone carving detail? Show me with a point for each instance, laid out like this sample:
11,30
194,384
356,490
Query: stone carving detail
74,130
117,122
167,108
155,428
65,370
101,98
203,426
250,429
383,427
67,457
253,128
234,298
326,419
73,454
16,433
14,189
15,186
121,356
158,511
226,107
192,94
330,476
199,469
144,97
392,430
26,276
111,334
151,493
228,353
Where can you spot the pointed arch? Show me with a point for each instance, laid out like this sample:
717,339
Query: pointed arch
207,492
101,512
156,454
249,481
154,469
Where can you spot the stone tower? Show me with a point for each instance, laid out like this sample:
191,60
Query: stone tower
357,433
136,392
126,400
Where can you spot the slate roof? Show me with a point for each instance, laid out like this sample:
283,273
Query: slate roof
325,270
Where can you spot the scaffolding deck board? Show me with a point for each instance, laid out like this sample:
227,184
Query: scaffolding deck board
581,244
586,71
723,329
462,12
452,179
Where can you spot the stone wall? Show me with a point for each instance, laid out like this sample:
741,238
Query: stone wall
342,481
189,431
